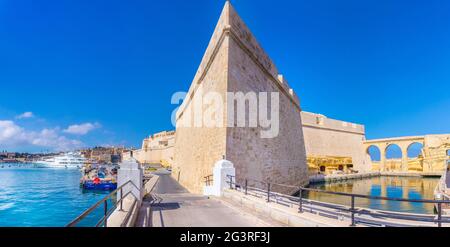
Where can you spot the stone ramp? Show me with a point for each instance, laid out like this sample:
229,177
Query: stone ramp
170,205
187,210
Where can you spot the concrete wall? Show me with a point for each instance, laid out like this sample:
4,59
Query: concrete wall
330,137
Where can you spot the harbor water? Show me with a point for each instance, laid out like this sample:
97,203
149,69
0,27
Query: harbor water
44,197
394,187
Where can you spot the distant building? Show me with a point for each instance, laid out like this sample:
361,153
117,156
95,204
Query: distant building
157,148
104,154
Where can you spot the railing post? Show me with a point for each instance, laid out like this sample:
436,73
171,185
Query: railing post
121,199
353,211
246,186
300,200
268,192
231,182
106,213
439,214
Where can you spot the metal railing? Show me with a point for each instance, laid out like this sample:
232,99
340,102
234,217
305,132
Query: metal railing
209,180
353,210
106,211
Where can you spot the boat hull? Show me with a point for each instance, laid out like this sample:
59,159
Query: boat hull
106,186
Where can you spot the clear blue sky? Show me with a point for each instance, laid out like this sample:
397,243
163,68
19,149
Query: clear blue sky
109,68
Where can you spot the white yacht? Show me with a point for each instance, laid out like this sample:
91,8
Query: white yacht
67,161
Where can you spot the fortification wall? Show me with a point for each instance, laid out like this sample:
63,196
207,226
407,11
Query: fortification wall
234,62
330,137
198,148
155,155
277,160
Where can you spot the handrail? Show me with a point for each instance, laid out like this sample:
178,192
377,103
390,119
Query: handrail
353,210
104,201
209,180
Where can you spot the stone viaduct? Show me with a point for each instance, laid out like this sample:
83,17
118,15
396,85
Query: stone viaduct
433,154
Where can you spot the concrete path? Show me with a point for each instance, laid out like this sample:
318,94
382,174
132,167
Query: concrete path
173,206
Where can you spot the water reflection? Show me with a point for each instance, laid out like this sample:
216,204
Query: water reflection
398,187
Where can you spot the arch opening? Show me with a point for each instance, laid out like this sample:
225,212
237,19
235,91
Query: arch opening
393,157
374,153
415,150
393,151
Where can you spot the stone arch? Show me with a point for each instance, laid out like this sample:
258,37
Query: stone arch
394,155
374,153
414,149
393,151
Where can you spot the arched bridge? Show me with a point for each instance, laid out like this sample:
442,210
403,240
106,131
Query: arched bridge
434,153
404,143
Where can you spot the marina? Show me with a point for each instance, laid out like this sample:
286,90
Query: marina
37,197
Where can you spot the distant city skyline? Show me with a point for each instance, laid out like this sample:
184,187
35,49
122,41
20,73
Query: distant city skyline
102,73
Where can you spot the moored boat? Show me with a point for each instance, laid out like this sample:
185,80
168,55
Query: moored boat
65,161
98,184
100,178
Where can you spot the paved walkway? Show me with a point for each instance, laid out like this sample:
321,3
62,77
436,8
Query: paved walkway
173,206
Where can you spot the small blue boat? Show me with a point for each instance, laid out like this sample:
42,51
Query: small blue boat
104,185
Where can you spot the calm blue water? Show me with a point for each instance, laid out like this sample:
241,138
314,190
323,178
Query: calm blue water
395,187
44,197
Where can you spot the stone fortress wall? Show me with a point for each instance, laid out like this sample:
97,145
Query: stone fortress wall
156,149
198,149
277,160
234,62
330,138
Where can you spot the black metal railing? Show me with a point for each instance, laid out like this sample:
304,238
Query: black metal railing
107,211
209,180
266,190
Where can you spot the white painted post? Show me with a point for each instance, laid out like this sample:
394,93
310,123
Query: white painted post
131,170
222,169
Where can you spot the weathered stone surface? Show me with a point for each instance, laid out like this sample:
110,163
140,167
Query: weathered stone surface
235,62
330,137
158,148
